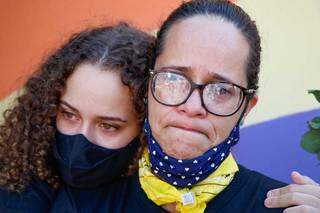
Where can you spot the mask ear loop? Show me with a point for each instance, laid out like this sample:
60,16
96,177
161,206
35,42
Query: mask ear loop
241,120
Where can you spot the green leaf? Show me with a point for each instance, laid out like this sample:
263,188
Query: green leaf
316,93
315,123
311,141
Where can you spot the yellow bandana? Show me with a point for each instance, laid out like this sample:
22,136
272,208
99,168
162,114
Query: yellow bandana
187,200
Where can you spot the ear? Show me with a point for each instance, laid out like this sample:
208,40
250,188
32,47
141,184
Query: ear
252,102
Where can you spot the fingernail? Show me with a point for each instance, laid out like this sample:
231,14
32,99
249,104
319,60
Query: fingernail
268,202
270,194
295,172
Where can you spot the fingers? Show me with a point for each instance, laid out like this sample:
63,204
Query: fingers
301,179
301,209
292,199
293,188
302,196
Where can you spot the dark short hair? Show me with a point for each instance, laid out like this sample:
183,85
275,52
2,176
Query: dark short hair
29,127
229,12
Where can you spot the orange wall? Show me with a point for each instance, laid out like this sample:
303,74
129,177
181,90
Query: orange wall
29,30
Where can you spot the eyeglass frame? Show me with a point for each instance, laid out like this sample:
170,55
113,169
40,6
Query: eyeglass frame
245,91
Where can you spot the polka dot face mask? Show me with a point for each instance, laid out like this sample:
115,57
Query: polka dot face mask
185,173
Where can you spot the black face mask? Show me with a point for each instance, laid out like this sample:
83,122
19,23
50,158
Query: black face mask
83,164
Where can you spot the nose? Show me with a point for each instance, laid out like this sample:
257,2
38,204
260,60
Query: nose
87,131
193,106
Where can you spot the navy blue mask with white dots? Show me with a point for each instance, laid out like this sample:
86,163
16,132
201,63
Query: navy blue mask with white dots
185,173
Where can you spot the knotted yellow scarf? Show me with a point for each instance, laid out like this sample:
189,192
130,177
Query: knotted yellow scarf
187,200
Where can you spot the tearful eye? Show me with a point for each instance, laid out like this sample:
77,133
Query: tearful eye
219,93
222,91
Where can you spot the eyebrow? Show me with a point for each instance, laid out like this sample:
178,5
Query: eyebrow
69,105
109,118
187,69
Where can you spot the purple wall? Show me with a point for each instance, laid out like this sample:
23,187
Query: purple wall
273,147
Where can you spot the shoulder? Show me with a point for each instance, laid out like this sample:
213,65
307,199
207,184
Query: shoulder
258,181
128,196
105,198
38,196
246,193
123,195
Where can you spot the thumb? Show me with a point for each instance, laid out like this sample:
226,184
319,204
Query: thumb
297,178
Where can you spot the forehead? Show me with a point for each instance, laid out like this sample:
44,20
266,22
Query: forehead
207,44
99,92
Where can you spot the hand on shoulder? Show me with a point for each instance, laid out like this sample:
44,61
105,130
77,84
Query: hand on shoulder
303,195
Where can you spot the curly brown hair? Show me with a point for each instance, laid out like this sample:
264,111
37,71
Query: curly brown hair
28,130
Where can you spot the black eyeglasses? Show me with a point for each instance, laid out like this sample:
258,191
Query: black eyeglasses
219,98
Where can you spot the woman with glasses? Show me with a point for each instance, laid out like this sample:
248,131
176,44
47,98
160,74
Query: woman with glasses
202,87
78,121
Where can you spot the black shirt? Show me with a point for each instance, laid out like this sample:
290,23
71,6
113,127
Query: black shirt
38,197
246,193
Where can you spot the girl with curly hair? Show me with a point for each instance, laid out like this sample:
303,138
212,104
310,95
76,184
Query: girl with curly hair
78,120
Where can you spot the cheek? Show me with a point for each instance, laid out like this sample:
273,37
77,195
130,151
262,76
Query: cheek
222,127
157,115
131,132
